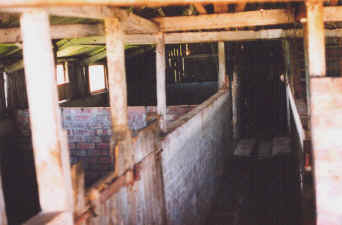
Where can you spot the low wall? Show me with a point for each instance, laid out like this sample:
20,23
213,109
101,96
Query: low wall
89,133
193,158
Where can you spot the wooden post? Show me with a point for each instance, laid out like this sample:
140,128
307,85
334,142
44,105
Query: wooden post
116,76
47,135
222,65
161,81
122,140
235,104
326,121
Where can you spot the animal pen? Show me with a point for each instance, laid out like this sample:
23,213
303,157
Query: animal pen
170,112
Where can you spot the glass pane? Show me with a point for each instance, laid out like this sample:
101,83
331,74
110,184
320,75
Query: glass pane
60,74
96,78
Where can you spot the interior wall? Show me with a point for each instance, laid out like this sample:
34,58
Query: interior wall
193,160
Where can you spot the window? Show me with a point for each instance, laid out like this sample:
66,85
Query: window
62,76
97,80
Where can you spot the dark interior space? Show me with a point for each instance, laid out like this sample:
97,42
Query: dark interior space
262,82
21,195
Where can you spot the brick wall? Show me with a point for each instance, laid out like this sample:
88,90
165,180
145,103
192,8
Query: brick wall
89,133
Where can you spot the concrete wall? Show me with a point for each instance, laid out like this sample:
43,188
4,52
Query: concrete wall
193,158
179,173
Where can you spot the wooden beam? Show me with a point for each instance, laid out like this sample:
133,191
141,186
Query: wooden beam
219,21
131,23
11,35
96,57
222,65
220,8
116,75
240,7
333,2
120,3
200,8
161,81
332,13
52,176
315,39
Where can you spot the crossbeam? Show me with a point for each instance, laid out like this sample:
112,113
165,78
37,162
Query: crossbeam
130,22
150,3
221,21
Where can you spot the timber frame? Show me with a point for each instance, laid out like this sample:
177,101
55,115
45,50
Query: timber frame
122,27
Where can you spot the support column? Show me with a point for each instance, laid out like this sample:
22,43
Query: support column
161,81
122,140
222,65
49,139
116,76
326,121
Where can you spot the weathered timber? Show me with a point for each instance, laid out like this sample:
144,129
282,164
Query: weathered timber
222,82
240,7
161,81
296,117
150,3
13,35
131,23
116,74
200,8
217,21
314,35
220,8
54,188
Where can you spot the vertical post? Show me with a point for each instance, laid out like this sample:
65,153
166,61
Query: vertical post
122,140
161,81
235,104
54,181
222,65
326,122
116,76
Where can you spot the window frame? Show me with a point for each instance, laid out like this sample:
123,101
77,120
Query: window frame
66,79
103,90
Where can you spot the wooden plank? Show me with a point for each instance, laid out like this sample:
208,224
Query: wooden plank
245,147
296,116
91,32
315,39
332,13
161,81
150,3
240,7
281,145
222,65
44,113
220,8
219,21
200,8
10,35
131,22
